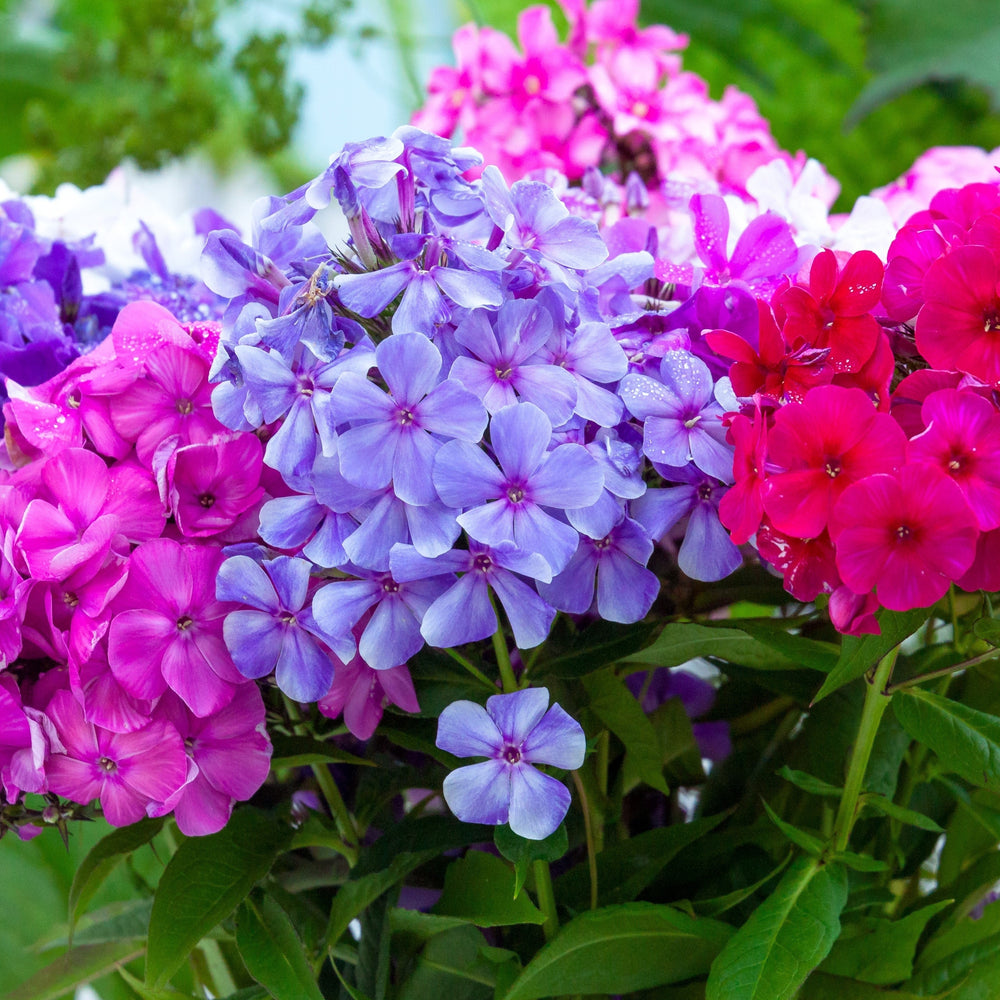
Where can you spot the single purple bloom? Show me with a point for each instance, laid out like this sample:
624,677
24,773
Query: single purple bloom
395,435
505,365
277,632
707,552
464,612
625,588
683,422
514,731
509,503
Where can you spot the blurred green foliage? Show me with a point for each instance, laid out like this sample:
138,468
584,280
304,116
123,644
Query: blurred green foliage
101,80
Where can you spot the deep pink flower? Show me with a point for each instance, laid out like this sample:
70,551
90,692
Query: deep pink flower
209,486
128,772
808,566
822,445
907,534
959,325
229,757
962,438
24,743
361,693
167,630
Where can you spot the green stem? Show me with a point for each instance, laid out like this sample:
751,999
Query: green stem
943,671
546,898
876,701
588,827
507,677
335,801
471,667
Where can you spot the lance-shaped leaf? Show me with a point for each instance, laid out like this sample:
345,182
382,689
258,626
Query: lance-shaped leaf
785,938
76,967
619,949
965,740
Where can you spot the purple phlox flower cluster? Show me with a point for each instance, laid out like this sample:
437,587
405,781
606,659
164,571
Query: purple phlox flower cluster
119,686
514,732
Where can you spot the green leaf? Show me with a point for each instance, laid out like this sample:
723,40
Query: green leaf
971,972
204,882
809,843
683,641
480,888
127,921
860,862
422,926
272,951
965,740
75,967
885,807
858,654
148,993
523,852
808,783
596,647
616,706
354,896
625,869
988,629
822,986
102,859
774,633
301,751
451,965
912,42
619,949
720,904
879,951
949,940
785,938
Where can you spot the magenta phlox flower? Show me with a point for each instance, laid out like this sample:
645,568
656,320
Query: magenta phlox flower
392,634
14,589
908,535
127,772
514,731
361,693
538,226
172,397
503,362
209,486
229,756
962,437
625,588
105,702
26,738
277,631
511,503
394,436
167,631
71,528
682,420
464,612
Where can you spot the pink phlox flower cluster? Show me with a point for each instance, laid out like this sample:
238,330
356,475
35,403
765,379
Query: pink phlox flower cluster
612,95
120,490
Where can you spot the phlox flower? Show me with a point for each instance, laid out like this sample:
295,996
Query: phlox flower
907,534
514,731
128,772
509,503
277,632
229,756
360,692
167,629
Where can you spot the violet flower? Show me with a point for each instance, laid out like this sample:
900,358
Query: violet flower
514,731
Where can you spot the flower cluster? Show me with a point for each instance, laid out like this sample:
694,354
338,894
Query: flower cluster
878,491
118,685
613,97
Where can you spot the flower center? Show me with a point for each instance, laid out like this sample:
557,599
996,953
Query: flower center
107,765
287,618
691,421
903,532
482,562
833,467
991,320
206,500
502,373
515,494
602,543
184,406
532,85
405,417
70,599
184,623
640,109
390,586
511,754
705,491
